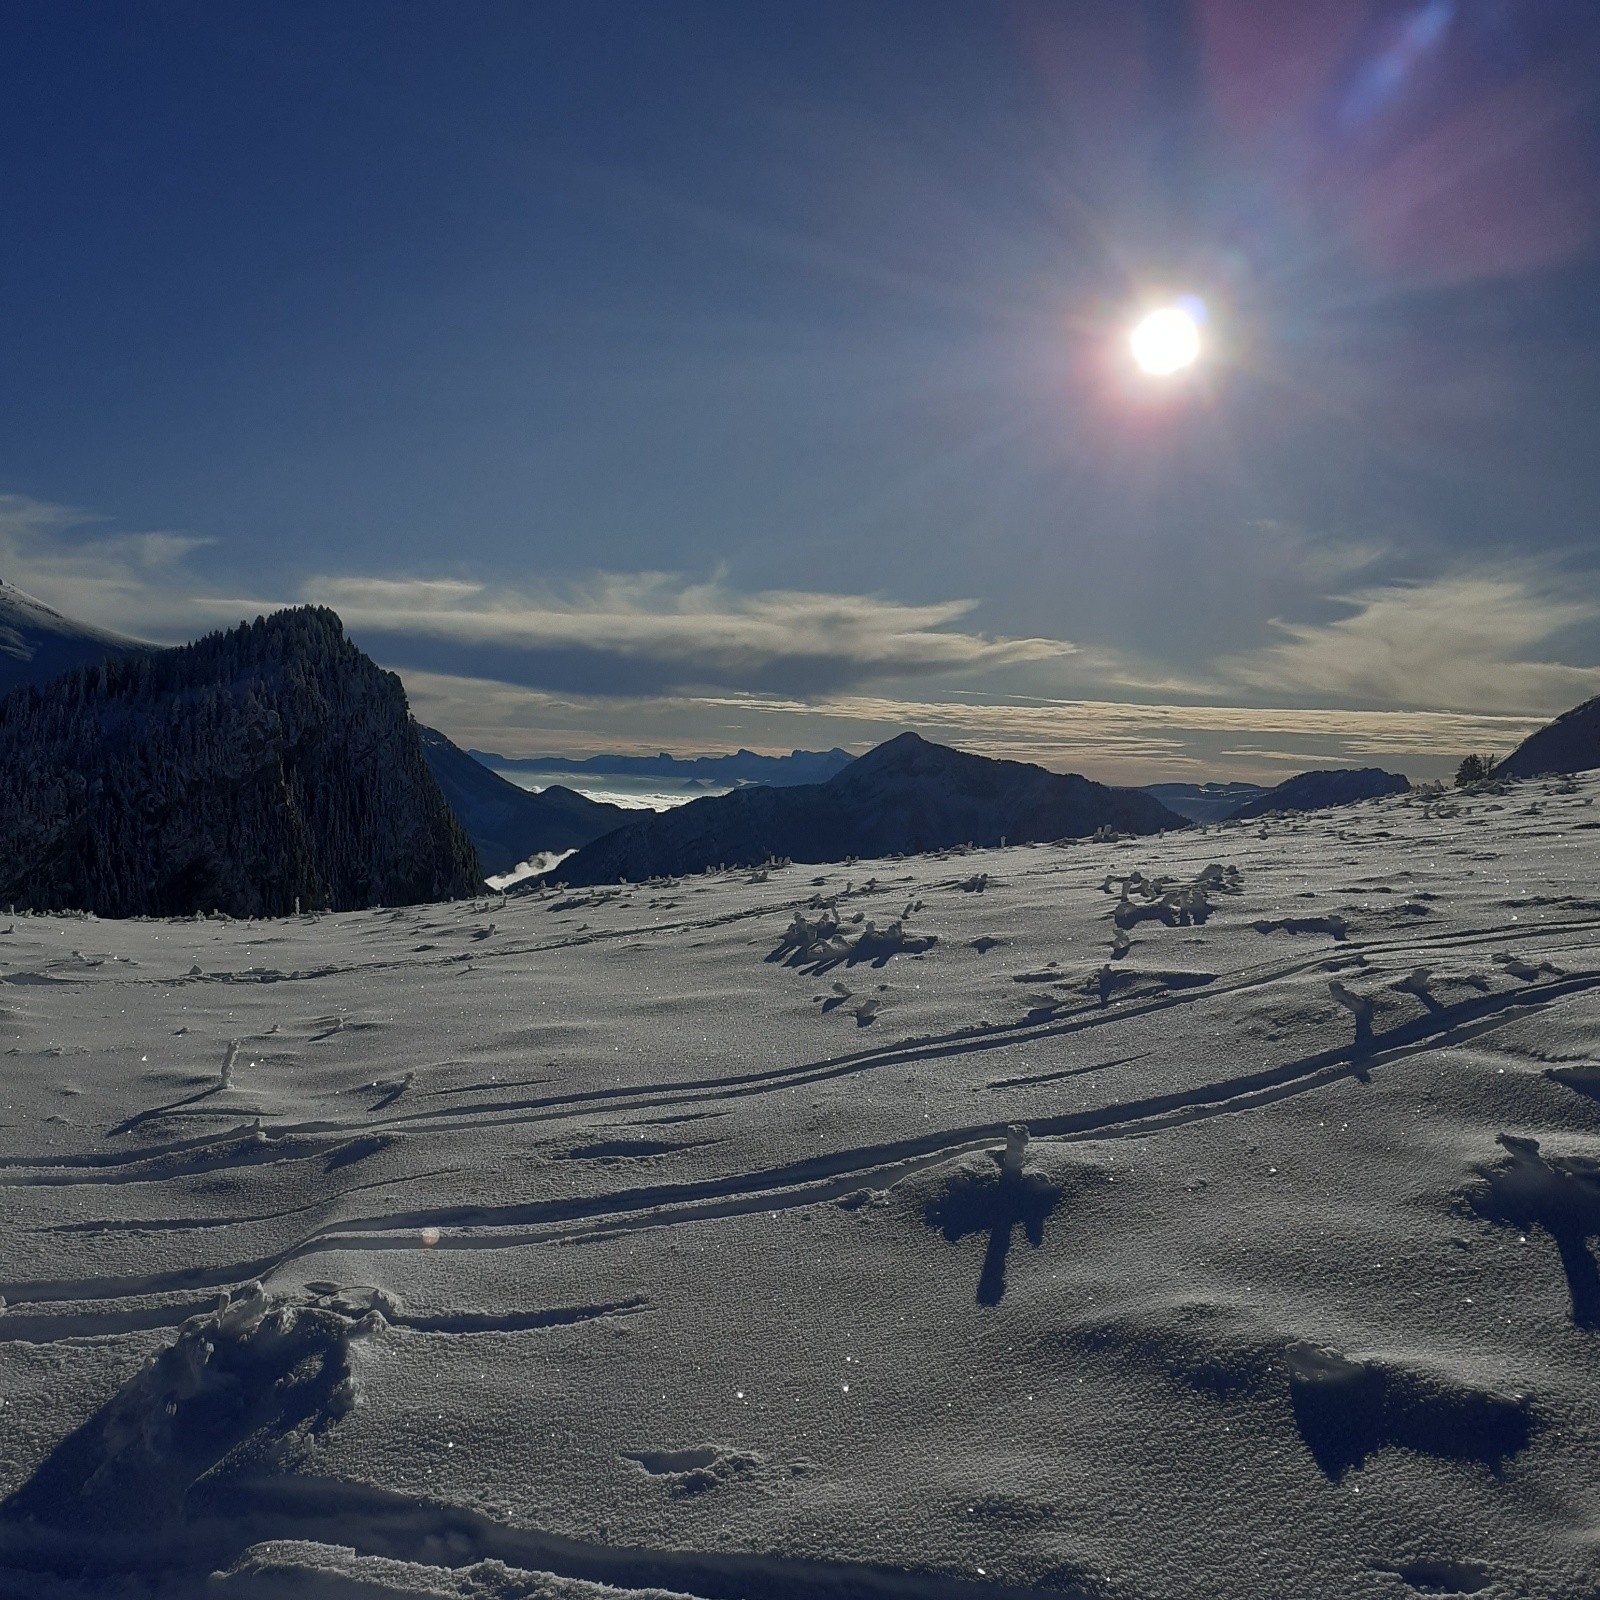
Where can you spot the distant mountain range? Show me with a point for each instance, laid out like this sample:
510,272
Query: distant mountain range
1204,802
511,825
744,766
905,796
1569,744
253,772
37,643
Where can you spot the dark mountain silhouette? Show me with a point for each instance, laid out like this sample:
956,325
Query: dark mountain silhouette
1316,791
744,766
507,824
37,643
253,770
907,795
1569,744
1204,802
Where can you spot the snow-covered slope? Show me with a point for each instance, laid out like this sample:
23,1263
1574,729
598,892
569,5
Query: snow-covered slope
906,795
37,643
663,1236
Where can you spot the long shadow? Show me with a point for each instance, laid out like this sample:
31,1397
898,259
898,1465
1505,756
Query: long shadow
1584,1079
876,947
997,1202
827,1176
1559,1194
1346,1410
139,1118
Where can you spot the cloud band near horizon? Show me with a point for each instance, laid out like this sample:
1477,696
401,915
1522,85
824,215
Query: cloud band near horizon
1416,671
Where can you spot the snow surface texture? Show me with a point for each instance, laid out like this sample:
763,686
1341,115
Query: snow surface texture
684,1238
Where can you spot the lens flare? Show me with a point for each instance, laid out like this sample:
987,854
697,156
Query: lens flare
1165,341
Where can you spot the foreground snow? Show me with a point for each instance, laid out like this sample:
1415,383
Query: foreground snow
657,1237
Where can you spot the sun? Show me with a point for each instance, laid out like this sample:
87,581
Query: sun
1165,341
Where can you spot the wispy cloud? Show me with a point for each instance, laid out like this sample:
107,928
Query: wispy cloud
655,633
1461,642
1469,660
613,634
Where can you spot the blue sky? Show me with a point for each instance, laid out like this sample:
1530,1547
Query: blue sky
694,375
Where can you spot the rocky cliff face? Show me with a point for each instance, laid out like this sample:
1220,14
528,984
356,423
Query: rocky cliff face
906,796
253,770
1569,744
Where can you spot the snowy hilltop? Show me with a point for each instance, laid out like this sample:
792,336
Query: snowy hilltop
256,772
1569,744
907,795
1323,790
37,643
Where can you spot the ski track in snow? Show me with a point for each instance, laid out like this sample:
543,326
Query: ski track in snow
605,1237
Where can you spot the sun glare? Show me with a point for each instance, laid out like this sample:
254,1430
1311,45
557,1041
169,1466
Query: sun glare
1165,341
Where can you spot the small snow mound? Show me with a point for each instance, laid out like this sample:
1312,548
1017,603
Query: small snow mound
1178,905
242,1391
994,1193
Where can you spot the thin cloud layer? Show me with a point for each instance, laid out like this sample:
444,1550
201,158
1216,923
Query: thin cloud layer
652,633
133,583
1460,642
1112,740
